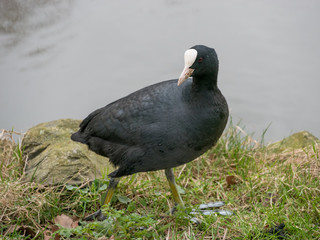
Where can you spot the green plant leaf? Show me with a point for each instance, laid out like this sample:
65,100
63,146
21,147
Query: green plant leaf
123,199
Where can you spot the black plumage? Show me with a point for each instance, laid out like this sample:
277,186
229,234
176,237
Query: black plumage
163,125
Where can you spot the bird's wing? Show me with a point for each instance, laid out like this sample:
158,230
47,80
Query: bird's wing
133,118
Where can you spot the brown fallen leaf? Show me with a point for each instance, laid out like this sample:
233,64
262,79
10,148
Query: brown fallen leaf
105,238
47,235
75,224
54,228
64,221
231,180
51,230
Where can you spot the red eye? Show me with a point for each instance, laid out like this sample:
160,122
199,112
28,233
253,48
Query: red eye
200,59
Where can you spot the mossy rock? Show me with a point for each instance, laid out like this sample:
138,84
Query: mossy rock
53,158
297,140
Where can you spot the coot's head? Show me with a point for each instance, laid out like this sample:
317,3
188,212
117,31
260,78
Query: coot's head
200,62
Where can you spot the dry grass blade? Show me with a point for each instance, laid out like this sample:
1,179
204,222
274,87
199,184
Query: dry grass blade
8,164
18,200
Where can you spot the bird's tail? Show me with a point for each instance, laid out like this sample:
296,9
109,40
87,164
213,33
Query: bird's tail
78,137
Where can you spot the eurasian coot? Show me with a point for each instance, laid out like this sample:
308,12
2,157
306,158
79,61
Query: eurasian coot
160,126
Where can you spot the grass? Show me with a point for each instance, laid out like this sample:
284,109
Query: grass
263,188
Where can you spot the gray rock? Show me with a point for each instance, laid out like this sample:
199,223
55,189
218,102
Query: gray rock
53,158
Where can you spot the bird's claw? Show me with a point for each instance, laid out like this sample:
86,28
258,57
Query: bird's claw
98,215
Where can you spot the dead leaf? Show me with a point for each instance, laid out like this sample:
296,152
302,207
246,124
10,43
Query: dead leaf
231,180
105,238
64,221
47,235
54,228
75,224
51,230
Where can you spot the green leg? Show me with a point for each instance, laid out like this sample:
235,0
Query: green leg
111,189
172,183
107,199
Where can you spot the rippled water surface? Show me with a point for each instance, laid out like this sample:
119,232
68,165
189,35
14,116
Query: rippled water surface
64,59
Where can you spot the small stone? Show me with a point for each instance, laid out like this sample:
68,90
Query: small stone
215,204
195,220
208,212
203,206
224,212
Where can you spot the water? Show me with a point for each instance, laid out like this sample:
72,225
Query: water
65,58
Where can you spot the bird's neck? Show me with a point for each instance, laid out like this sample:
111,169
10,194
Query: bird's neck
204,83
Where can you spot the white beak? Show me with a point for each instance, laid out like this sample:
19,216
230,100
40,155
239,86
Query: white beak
189,57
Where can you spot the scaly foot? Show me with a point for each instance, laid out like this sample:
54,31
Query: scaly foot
98,215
